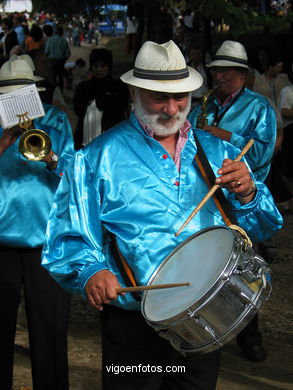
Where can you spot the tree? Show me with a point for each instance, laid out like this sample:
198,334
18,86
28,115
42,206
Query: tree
68,7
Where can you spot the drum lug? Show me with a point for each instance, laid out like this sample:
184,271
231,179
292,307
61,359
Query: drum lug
204,325
236,290
252,270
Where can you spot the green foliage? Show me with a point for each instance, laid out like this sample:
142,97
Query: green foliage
240,16
65,6
237,14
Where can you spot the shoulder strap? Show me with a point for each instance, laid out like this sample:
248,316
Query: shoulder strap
218,118
123,266
209,176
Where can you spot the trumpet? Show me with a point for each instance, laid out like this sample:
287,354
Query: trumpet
34,144
202,117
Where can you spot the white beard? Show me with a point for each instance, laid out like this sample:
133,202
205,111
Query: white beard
173,123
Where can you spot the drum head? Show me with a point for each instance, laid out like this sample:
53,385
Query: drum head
200,260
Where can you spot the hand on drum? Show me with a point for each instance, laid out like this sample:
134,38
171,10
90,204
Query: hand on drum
235,177
101,288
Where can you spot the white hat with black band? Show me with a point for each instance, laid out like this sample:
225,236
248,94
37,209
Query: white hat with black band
162,68
230,54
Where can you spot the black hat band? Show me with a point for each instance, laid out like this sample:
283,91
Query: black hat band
229,58
161,74
8,83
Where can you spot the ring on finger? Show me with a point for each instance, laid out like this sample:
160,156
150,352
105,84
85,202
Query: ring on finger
237,184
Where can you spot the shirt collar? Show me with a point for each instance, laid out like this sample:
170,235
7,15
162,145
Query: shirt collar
229,98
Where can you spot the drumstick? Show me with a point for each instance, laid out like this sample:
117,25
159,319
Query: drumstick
151,287
213,189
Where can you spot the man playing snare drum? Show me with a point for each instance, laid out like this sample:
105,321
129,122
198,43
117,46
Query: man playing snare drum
138,183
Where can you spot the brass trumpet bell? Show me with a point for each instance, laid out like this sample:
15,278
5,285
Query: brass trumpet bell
34,144
202,118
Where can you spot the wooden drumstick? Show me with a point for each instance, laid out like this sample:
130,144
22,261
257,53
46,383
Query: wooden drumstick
213,189
151,287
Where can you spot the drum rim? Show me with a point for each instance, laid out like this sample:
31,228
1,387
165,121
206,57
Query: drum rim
199,303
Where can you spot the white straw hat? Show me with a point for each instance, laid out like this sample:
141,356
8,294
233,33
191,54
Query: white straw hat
230,53
29,60
162,68
15,74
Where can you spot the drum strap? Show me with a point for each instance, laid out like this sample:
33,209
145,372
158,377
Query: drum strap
123,267
209,176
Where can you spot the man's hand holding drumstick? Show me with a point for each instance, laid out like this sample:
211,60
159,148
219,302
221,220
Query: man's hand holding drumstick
235,177
104,287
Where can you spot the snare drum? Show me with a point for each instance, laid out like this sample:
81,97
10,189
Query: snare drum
229,283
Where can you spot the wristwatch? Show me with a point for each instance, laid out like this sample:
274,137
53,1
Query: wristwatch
54,161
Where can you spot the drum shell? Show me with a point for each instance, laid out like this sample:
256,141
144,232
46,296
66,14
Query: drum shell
224,310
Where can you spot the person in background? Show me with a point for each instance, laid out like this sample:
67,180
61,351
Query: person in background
70,67
196,61
35,39
57,50
236,114
271,82
48,31
16,50
76,33
261,61
285,158
110,95
138,182
9,39
18,28
27,190
270,85
131,27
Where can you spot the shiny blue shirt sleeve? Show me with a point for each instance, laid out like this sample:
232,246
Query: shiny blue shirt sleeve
56,123
75,219
27,187
251,116
123,183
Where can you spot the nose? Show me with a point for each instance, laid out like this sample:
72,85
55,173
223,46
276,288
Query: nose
217,75
171,107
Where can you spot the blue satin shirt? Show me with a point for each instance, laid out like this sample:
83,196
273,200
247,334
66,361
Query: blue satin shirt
27,187
250,116
126,183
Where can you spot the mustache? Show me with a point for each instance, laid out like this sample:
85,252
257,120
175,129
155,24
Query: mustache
161,123
167,116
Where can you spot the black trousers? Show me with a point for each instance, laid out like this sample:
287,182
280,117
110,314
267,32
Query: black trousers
250,335
47,310
135,357
56,72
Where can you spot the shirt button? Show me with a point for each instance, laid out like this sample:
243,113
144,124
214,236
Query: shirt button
165,156
177,183
61,174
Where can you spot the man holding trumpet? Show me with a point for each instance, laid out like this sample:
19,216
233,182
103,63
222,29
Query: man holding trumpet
27,189
139,182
